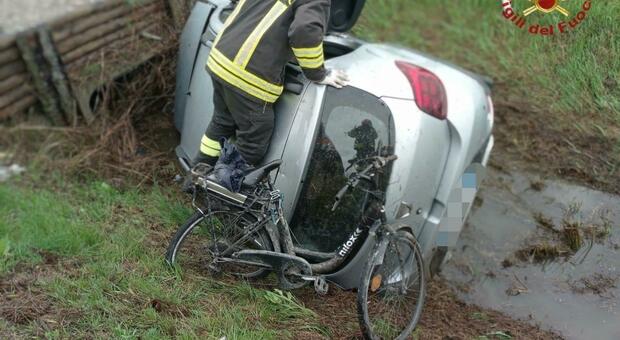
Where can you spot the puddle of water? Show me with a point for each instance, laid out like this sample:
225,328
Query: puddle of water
542,293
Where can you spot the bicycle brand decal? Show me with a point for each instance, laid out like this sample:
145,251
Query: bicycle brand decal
346,247
566,10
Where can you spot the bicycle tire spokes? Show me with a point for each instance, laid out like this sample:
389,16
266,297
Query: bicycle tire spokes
231,235
394,291
216,235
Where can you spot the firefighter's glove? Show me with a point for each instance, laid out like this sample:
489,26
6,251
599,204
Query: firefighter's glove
335,78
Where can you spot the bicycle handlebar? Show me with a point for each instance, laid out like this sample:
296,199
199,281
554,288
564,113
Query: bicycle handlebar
378,162
390,158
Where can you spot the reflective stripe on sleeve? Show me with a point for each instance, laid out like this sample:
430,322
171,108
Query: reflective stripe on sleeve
311,63
310,57
249,46
309,52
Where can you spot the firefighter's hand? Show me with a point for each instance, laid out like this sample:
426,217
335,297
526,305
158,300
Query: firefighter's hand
335,78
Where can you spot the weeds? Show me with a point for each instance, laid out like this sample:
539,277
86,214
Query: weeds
287,304
540,252
595,228
495,335
572,226
118,284
479,316
575,231
120,145
544,222
556,98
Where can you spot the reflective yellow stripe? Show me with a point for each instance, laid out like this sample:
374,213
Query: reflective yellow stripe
249,46
209,146
230,19
208,151
311,63
239,83
309,52
310,57
210,143
245,75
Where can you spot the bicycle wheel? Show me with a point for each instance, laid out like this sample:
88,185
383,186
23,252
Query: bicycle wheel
392,288
202,239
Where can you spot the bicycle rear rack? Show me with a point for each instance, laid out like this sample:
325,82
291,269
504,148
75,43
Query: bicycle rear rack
227,194
200,176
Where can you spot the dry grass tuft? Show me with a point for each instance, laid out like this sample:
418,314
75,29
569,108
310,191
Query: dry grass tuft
540,252
544,222
574,232
124,143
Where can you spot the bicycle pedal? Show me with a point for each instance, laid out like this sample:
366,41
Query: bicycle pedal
321,286
201,169
214,269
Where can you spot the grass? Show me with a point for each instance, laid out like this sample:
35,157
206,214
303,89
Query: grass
557,97
85,260
569,70
575,231
104,251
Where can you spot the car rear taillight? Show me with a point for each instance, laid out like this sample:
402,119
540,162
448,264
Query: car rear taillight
428,90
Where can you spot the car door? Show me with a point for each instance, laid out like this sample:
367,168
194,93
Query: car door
350,126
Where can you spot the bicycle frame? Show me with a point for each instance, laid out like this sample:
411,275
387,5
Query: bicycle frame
274,222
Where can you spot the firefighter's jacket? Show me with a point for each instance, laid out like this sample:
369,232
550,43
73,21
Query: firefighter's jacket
258,39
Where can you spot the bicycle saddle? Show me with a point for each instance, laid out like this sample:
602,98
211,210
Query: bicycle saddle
258,174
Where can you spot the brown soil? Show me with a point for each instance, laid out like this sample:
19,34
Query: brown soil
134,146
444,317
21,301
24,302
527,139
597,284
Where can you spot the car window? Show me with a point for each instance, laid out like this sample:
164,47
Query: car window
354,126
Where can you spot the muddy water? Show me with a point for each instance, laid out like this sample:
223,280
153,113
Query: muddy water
564,294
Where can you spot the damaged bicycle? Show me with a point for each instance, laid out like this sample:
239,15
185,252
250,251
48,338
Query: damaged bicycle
247,234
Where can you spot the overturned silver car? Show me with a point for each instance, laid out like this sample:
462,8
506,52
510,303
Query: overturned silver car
435,116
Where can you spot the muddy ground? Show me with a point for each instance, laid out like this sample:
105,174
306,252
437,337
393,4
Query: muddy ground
23,303
527,139
135,148
545,250
485,292
446,316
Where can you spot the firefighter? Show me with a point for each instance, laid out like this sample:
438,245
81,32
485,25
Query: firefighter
247,65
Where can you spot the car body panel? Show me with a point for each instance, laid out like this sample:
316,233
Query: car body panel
299,143
440,164
188,46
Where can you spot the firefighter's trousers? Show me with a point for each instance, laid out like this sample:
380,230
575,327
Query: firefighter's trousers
250,120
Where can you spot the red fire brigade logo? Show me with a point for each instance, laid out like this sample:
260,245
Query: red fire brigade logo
570,21
546,6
